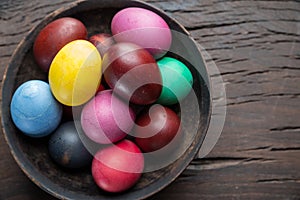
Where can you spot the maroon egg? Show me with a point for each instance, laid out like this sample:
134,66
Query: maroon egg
54,36
155,132
103,41
133,73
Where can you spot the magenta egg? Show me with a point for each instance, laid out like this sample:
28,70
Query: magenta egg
106,119
144,28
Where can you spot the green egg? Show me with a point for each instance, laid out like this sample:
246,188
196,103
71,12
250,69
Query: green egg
177,81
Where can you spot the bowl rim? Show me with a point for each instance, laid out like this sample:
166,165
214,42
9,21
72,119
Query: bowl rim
34,175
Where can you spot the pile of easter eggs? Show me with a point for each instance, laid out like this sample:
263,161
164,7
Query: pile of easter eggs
124,85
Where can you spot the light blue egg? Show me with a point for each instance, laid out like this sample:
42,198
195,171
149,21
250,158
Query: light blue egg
34,110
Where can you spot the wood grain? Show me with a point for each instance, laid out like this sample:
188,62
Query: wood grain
256,46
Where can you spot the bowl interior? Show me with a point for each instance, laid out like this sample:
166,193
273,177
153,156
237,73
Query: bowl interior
32,154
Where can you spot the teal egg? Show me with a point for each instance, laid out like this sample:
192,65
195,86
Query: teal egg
177,80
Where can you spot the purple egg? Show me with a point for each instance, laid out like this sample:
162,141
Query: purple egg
144,28
107,119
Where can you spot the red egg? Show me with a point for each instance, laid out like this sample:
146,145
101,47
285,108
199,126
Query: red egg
156,128
53,37
103,41
133,73
118,167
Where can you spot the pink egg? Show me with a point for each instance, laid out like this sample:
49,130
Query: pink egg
144,28
106,119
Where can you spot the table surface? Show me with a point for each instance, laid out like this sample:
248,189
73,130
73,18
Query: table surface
256,47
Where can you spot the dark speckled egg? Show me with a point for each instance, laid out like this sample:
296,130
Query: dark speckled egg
66,148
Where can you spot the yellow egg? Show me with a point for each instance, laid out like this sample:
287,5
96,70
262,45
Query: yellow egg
75,73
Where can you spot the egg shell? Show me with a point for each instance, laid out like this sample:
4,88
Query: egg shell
54,36
66,149
75,73
155,132
177,81
106,118
34,110
102,41
118,167
133,73
144,28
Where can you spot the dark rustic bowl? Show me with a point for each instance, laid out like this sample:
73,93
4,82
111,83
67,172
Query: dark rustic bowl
32,154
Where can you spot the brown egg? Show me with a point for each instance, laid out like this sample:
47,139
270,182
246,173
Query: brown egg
155,132
133,73
53,37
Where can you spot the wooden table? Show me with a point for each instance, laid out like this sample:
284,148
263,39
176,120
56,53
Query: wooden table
256,46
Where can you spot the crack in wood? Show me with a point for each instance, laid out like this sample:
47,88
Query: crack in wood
285,67
279,9
223,162
215,34
211,25
285,128
233,72
5,56
285,149
256,148
243,102
278,180
284,41
282,33
13,34
258,72
183,11
9,44
282,94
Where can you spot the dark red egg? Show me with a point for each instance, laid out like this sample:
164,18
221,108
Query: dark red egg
133,73
156,128
103,41
55,36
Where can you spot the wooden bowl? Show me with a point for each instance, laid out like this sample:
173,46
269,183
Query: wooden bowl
32,154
